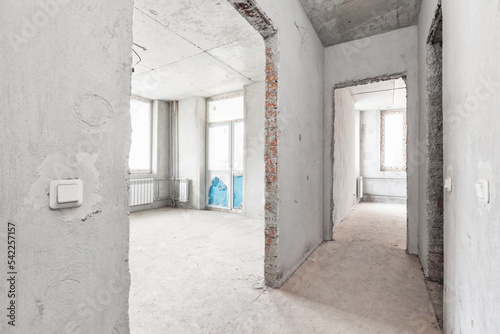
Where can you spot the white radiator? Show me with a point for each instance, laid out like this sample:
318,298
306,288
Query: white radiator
183,190
141,192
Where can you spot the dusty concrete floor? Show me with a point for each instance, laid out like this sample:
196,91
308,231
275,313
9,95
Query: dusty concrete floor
201,272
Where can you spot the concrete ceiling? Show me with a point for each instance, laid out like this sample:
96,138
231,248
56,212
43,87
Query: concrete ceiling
339,21
382,95
193,48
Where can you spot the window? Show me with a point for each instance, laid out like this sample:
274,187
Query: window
393,141
140,156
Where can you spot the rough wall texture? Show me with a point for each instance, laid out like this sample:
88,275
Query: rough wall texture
471,104
344,169
255,106
65,91
192,145
434,177
294,183
375,57
426,17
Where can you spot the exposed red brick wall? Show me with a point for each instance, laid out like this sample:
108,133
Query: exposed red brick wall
255,16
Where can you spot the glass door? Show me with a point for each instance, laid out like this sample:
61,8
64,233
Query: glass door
219,165
225,157
237,170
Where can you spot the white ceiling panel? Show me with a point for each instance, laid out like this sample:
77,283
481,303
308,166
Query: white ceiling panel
187,78
206,23
194,48
246,56
162,46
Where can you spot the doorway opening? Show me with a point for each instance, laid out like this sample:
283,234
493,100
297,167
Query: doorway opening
186,56
370,146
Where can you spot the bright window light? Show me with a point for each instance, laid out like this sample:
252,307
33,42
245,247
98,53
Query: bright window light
393,140
140,150
225,109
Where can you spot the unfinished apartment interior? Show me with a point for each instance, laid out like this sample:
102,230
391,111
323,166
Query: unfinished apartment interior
353,190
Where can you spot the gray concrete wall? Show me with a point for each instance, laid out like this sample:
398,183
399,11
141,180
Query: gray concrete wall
373,57
427,12
376,183
192,145
471,82
299,197
163,161
65,94
344,169
253,196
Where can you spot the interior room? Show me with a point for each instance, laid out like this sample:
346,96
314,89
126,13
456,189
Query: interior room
197,116
205,166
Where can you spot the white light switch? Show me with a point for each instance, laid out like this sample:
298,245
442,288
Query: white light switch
66,194
447,184
483,191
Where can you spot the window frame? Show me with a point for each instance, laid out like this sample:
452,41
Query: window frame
383,166
151,169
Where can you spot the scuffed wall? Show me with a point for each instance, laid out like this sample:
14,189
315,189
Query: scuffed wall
344,169
192,145
375,57
254,183
66,71
471,101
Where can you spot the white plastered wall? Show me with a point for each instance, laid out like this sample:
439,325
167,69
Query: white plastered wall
373,57
344,169
300,171
253,197
471,101
192,146
65,93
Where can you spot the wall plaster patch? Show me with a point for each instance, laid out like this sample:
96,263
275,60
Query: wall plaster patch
60,166
93,113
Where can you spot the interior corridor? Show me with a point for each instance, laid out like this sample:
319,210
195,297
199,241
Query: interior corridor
201,272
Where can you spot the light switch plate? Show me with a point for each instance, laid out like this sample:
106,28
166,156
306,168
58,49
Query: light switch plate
447,184
66,194
483,191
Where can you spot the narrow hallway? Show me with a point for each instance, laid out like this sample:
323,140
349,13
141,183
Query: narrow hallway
363,282
366,273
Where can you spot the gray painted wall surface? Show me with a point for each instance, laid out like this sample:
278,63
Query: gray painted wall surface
164,159
192,139
65,94
300,181
344,169
384,54
471,121
253,197
424,24
375,181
